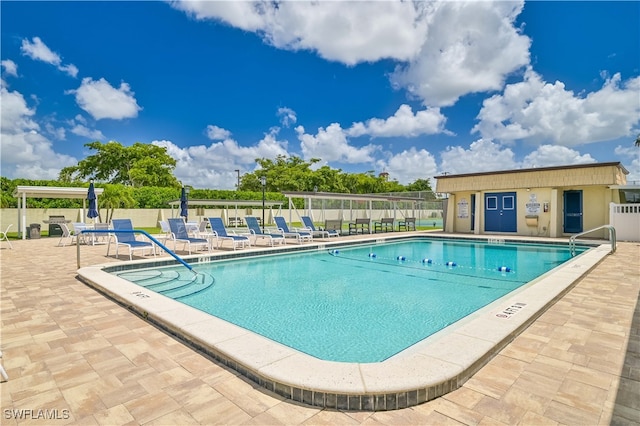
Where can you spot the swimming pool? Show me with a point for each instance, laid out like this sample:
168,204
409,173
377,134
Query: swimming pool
358,304
430,368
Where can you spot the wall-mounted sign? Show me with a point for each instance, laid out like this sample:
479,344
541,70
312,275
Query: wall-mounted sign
533,206
463,209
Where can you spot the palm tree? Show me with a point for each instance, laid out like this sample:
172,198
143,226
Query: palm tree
638,141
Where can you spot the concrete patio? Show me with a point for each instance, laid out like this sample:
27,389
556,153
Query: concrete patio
78,357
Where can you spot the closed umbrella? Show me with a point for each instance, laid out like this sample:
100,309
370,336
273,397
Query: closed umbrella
93,202
184,204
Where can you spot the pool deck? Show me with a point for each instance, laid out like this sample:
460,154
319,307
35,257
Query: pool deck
67,347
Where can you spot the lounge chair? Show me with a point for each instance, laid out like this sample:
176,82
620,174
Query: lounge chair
78,227
256,232
3,236
283,230
100,236
179,234
217,227
333,225
127,239
309,226
66,235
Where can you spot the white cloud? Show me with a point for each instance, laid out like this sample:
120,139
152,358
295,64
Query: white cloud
10,67
16,115
541,112
38,51
409,165
482,156
555,155
92,134
214,166
58,133
332,145
471,46
449,48
26,152
402,123
349,32
630,156
216,133
101,100
287,116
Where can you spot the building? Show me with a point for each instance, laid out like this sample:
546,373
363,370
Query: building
546,201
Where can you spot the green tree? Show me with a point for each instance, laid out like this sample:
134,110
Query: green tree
638,141
136,165
419,185
114,197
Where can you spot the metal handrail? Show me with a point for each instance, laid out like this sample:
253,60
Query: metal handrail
612,238
130,231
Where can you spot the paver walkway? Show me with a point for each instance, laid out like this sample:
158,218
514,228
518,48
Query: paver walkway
76,356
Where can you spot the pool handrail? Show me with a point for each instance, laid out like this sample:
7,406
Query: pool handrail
612,238
132,231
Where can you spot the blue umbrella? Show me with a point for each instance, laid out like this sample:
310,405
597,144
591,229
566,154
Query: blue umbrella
93,203
184,204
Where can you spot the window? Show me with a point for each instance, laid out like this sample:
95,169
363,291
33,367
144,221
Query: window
507,202
492,203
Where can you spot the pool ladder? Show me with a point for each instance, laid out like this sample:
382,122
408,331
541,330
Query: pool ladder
612,238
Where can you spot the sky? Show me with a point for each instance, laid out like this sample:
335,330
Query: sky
413,89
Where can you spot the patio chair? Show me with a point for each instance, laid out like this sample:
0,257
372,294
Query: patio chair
283,230
256,232
217,226
333,225
3,236
322,233
409,224
360,226
127,239
179,234
78,227
102,237
66,236
383,225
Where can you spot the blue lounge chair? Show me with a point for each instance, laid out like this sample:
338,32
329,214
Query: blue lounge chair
283,230
179,234
217,226
309,226
127,239
256,232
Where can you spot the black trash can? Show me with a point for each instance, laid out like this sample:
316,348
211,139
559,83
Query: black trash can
34,231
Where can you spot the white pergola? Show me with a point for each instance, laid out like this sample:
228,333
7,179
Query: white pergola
24,192
226,204
369,198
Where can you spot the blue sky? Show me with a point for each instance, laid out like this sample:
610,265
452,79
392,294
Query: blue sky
413,89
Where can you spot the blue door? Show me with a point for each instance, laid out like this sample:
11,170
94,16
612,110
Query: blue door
572,212
500,213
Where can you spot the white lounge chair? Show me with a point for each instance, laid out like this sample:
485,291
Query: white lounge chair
3,236
310,227
127,239
217,226
283,230
256,232
179,234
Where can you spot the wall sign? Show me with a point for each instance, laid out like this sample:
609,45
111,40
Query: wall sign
463,209
533,206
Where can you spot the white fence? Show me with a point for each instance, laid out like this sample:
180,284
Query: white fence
626,219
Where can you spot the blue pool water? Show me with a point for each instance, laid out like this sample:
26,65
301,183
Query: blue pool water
364,303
